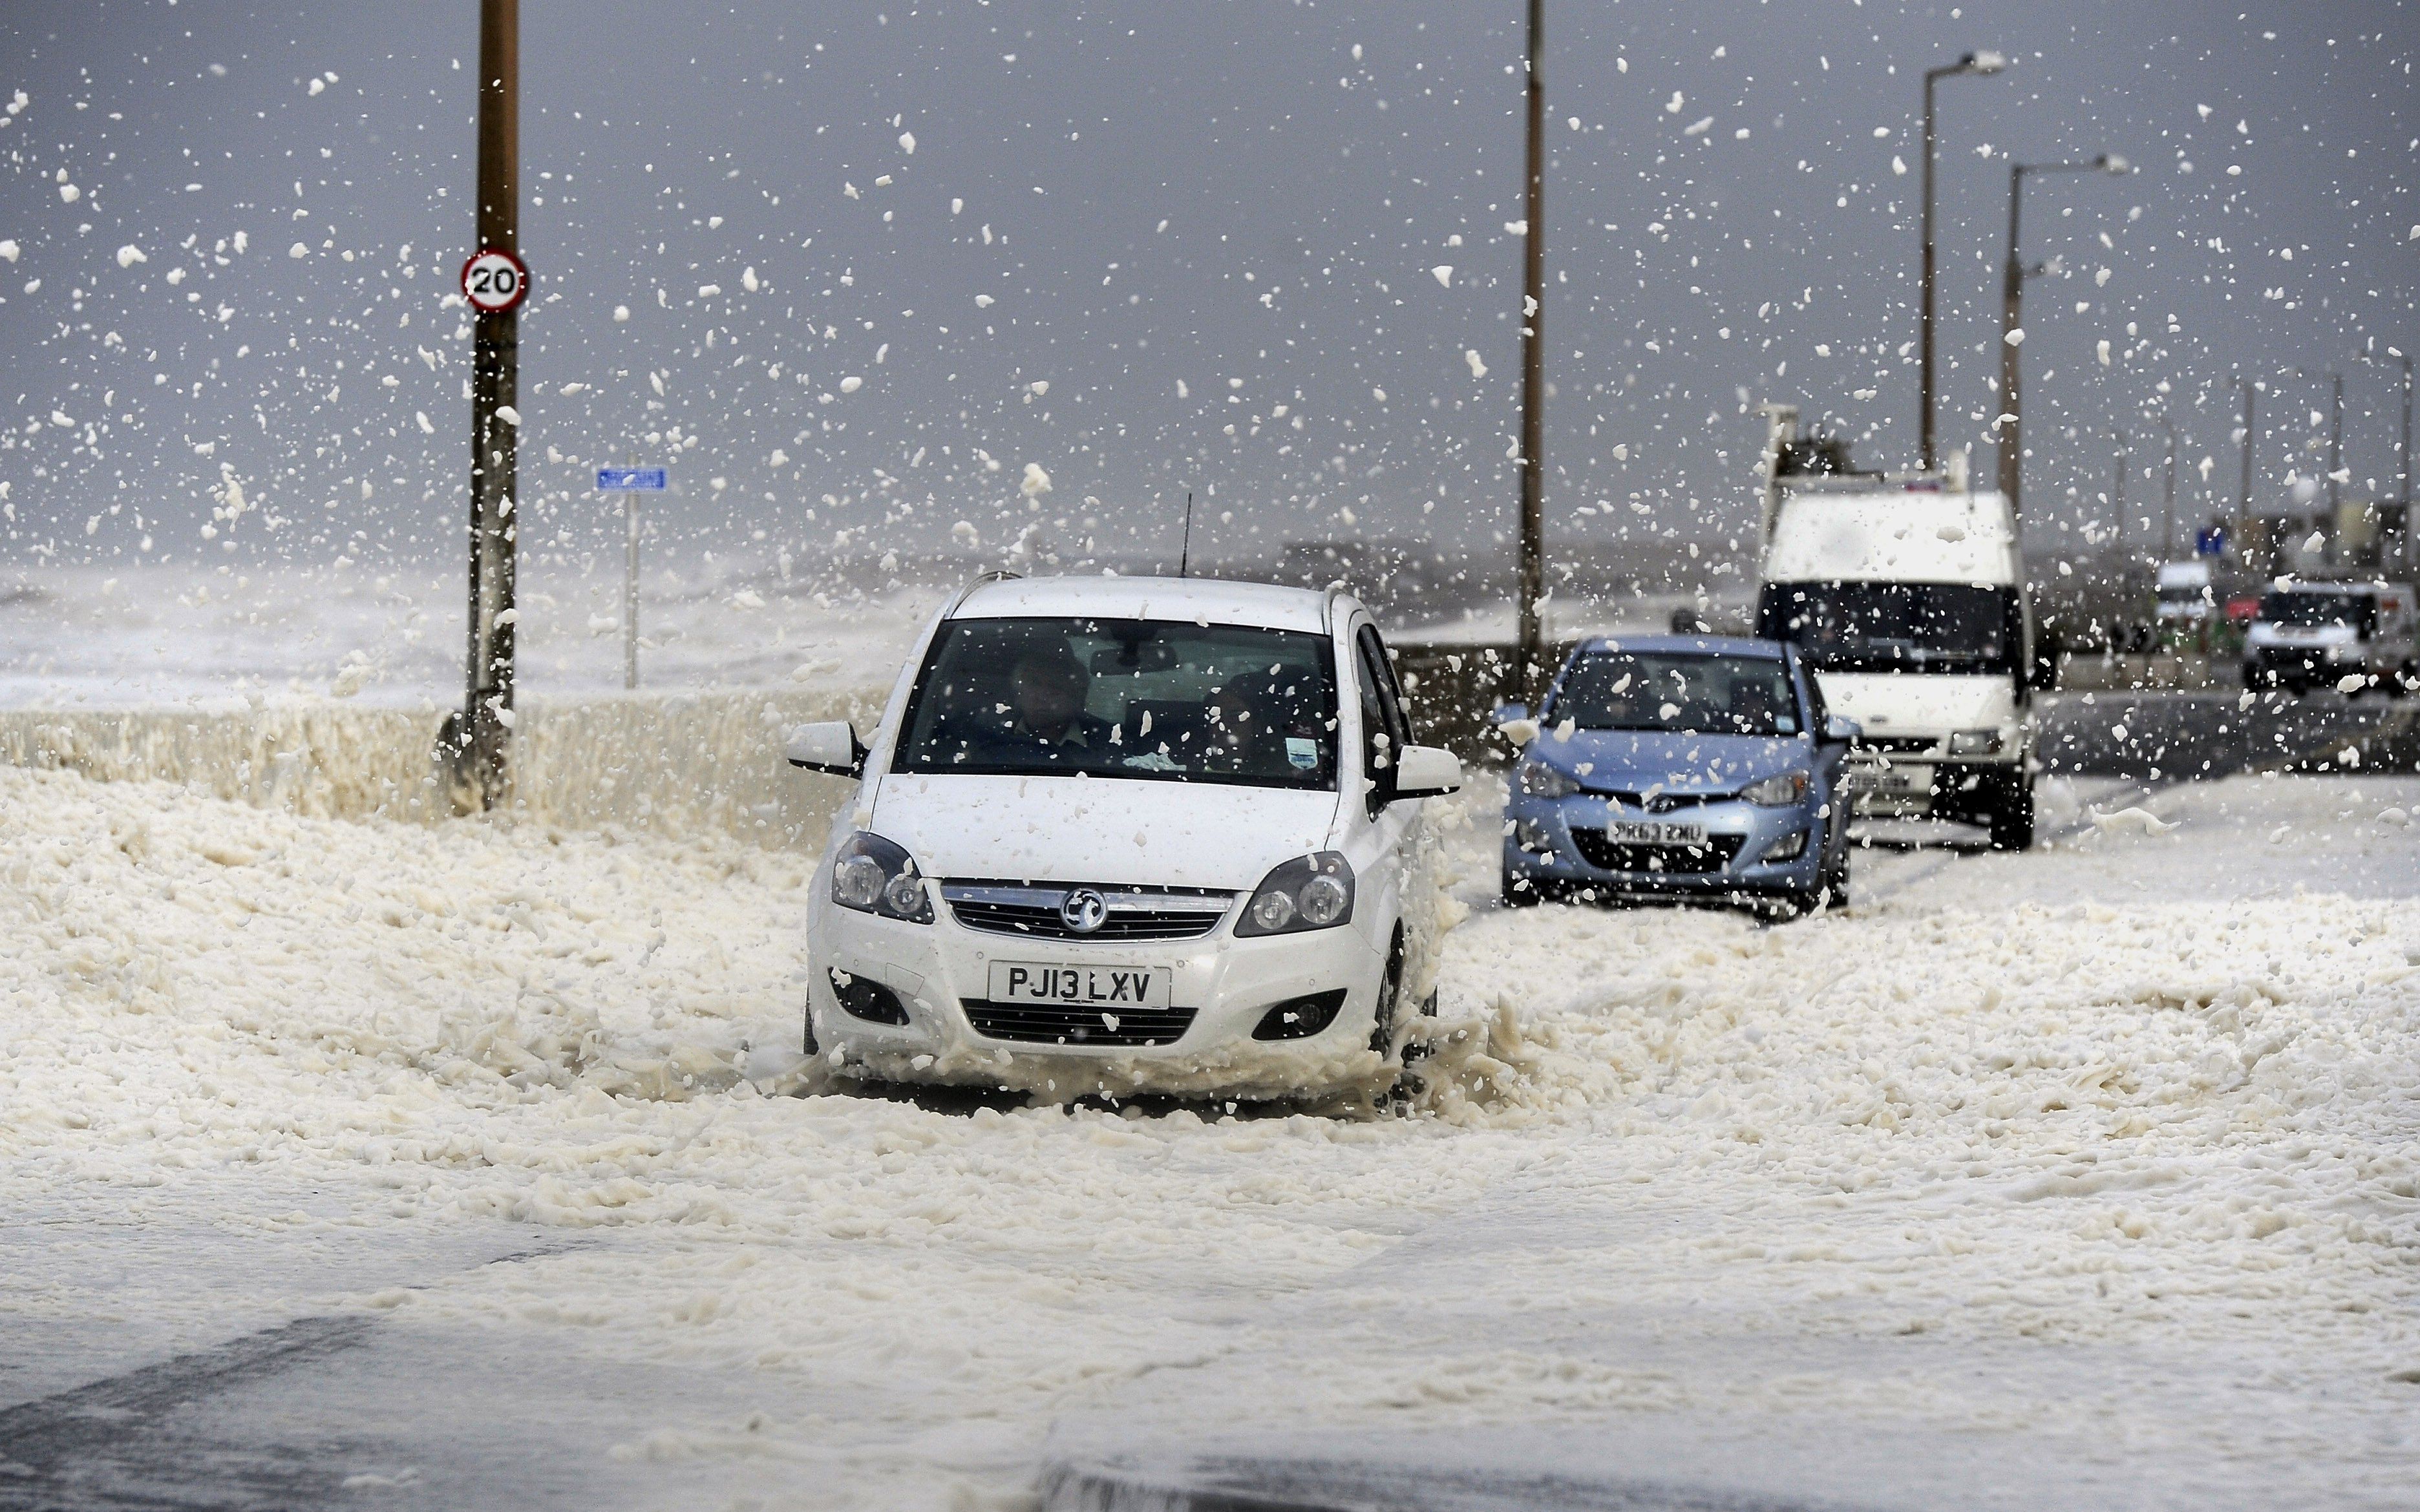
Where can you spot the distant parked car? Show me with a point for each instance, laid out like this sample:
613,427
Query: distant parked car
1680,768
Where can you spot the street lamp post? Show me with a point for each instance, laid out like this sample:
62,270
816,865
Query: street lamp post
2335,443
1974,63
2402,466
1529,675
2250,553
2012,294
2169,498
481,740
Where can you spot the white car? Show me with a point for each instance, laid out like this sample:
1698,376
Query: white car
1121,835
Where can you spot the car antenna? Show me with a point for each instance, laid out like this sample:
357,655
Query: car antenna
1184,552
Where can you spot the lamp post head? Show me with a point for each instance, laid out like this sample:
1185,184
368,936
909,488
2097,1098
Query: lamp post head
1983,62
2110,163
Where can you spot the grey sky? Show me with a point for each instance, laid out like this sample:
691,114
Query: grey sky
1224,197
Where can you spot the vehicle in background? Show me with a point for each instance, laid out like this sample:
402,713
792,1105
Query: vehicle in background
2194,598
2311,634
1122,835
1679,768
2188,596
1905,594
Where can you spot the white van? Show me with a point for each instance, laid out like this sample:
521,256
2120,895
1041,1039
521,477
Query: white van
2308,634
2188,596
1906,595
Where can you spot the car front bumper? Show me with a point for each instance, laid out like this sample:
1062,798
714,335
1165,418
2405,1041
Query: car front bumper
1222,987
1561,844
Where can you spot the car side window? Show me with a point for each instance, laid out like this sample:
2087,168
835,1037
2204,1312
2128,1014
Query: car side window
1384,733
1819,717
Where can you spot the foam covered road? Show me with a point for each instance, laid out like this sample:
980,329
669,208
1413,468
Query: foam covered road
356,1164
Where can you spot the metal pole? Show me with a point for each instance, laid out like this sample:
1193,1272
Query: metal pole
1530,673
485,727
2012,293
2244,550
631,585
2169,501
1924,359
2335,445
2118,502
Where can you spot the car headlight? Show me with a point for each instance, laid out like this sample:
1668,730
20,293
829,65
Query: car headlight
1976,743
874,876
1777,792
1540,780
1307,893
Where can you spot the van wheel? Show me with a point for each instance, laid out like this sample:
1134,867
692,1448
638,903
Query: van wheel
812,1048
1391,994
2013,812
1522,892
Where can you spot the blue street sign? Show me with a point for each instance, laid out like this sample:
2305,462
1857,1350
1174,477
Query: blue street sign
611,479
2210,541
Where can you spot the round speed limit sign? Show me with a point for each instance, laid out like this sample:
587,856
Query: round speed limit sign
494,281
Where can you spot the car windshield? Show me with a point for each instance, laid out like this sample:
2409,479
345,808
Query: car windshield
1875,626
2310,610
1150,700
1693,693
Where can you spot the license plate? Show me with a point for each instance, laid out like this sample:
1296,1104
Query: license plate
1897,782
1654,832
1109,988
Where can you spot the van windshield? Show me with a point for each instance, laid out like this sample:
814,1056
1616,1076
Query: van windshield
2311,611
1147,699
1684,693
1892,627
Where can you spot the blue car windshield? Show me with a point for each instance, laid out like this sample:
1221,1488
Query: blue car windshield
1692,693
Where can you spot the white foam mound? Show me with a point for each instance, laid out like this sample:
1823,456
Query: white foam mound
670,764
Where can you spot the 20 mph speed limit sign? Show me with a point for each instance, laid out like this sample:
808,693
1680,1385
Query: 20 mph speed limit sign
494,281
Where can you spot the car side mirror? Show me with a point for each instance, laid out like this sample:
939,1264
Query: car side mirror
1841,730
1426,772
830,745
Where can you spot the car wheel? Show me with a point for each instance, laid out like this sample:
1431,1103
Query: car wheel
2012,814
1836,883
812,1048
1390,992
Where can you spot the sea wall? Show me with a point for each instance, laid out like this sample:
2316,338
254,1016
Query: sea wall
674,763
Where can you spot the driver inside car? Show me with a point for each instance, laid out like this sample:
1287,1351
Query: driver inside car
1050,686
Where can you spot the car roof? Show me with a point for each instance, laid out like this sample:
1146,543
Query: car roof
1212,600
1707,645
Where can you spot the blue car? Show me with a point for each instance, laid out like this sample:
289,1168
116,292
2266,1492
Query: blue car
1680,767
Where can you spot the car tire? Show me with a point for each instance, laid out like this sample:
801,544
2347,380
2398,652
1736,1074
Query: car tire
1391,996
2013,812
811,1048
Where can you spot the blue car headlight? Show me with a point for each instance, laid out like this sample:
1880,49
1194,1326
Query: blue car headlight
1778,792
1540,780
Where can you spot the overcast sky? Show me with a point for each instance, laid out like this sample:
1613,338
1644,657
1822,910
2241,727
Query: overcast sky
1260,251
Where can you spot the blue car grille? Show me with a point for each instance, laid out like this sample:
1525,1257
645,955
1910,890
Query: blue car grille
1605,854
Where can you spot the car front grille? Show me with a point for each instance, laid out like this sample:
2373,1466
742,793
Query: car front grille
1659,802
1898,745
1032,910
1608,855
1043,1024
